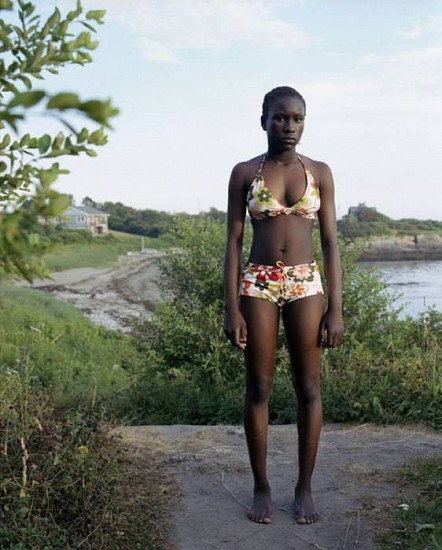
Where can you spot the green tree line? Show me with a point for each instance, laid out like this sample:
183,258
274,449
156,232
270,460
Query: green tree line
362,222
365,221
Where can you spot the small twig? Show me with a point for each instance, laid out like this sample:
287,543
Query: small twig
314,544
285,509
224,484
57,337
358,528
80,544
24,472
346,534
211,544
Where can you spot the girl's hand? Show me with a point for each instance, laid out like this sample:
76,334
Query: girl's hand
331,332
235,329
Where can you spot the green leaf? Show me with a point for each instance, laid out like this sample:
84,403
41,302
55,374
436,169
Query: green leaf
82,136
91,153
83,57
100,111
27,99
58,205
9,86
97,137
75,13
44,143
47,177
3,166
96,15
54,18
11,119
88,26
5,141
93,45
63,101
82,40
26,81
58,141
6,5
25,140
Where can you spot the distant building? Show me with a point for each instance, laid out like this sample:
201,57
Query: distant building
80,217
85,217
356,210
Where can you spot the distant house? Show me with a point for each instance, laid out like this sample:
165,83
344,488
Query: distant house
85,217
356,210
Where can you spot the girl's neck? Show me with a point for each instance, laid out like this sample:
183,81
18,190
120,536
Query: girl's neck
282,157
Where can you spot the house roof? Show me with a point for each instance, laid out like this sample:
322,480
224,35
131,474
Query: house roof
75,210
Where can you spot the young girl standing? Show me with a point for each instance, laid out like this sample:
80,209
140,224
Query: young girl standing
283,192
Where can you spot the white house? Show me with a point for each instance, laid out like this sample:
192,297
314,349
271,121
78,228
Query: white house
85,217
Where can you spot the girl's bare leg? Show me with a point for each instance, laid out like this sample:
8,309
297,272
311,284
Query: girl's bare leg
261,317
301,322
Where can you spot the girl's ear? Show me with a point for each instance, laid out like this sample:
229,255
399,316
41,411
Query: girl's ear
263,123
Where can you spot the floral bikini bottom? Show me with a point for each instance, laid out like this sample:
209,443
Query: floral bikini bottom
280,283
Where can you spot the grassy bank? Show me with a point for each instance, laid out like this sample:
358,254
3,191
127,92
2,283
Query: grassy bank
61,350
97,252
63,483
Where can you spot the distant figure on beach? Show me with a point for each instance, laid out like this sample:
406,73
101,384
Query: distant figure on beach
283,192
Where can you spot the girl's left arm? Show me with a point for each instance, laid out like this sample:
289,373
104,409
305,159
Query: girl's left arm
332,326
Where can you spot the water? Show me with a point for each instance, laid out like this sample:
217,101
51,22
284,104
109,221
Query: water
419,283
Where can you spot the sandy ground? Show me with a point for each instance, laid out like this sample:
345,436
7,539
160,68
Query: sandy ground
356,482
110,297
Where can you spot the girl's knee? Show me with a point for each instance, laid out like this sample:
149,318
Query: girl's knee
258,391
308,391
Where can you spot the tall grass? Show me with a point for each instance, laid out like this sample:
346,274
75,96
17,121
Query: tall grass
61,378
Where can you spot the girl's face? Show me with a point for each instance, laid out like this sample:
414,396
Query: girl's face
284,123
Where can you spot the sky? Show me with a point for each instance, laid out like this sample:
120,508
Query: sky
189,77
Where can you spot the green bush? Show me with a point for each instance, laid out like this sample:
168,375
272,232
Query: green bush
388,370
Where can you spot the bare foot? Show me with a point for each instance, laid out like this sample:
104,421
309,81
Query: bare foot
261,508
305,511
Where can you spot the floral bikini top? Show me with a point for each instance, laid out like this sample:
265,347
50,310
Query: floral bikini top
262,204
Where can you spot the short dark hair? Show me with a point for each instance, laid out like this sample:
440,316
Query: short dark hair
276,93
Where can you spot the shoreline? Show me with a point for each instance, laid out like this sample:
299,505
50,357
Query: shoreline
407,248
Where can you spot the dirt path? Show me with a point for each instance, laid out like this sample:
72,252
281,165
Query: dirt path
110,297
355,484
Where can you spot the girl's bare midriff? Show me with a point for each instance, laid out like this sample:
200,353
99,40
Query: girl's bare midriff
286,238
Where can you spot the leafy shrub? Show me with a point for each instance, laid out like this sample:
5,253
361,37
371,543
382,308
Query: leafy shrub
388,370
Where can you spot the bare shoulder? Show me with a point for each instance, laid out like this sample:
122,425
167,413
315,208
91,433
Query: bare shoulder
248,168
320,170
244,172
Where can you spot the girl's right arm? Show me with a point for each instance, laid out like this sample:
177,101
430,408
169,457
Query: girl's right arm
234,324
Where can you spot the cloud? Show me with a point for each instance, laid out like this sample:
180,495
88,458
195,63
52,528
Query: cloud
166,29
409,76
430,26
